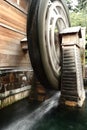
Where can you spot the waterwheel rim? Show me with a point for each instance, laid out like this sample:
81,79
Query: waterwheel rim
54,19
50,18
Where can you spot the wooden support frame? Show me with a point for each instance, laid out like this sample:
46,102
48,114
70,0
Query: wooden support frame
72,88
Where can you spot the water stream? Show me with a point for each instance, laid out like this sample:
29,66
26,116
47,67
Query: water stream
63,118
46,116
27,122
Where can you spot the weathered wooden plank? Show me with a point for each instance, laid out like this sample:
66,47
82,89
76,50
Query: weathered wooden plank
10,41
8,33
13,60
12,16
12,31
22,5
11,53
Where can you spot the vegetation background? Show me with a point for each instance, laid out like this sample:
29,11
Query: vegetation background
78,16
78,13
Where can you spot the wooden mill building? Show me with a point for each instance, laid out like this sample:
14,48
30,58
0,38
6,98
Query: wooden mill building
15,67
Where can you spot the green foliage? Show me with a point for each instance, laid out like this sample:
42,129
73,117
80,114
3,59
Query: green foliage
69,4
78,18
82,4
78,14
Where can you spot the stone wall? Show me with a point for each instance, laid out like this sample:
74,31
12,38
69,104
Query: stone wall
14,86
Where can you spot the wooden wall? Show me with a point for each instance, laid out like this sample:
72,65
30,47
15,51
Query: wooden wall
13,17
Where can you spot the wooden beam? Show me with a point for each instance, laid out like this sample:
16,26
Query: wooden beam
12,17
16,6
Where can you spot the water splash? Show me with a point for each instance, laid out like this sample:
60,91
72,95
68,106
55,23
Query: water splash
28,122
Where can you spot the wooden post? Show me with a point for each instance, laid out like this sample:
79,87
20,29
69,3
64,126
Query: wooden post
72,89
24,44
82,46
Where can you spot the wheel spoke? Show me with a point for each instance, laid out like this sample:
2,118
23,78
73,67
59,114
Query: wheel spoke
54,17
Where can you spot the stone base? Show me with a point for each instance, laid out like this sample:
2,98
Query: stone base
13,98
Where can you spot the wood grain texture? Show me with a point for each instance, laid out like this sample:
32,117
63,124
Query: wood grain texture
12,31
11,16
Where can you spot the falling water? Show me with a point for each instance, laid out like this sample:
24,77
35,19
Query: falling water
28,122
